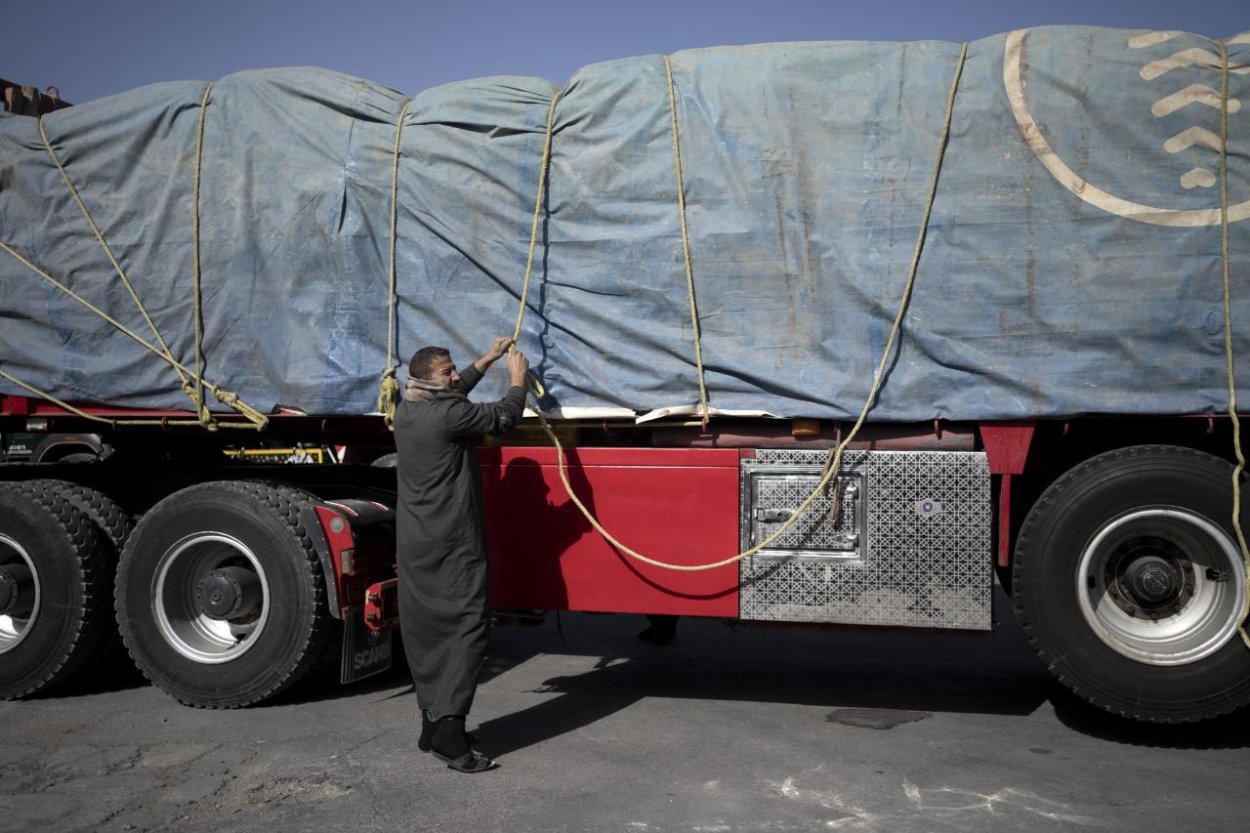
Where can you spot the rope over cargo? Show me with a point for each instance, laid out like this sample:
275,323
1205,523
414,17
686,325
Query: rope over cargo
190,382
197,395
388,394
256,418
543,165
685,240
806,206
833,468
1228,341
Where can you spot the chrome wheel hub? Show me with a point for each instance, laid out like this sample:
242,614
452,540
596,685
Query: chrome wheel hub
19,593
1161,585
210,597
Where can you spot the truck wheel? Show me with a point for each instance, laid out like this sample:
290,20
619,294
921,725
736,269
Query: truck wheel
111,520
220,596
54,608
114,526
1129,583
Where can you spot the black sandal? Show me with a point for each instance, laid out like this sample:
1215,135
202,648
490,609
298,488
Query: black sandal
471,762
451,744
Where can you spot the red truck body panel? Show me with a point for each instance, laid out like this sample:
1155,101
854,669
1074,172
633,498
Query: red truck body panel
673,505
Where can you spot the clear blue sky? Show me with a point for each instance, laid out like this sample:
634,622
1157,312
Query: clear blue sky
93,48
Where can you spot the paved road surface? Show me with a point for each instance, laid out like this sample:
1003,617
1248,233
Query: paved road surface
727,730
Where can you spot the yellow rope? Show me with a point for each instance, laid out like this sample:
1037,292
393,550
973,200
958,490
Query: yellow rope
536,387
1228,342
833,469
84,302
185,377
685,242
388,391
114,423
56,401
258,419
197,393
164,351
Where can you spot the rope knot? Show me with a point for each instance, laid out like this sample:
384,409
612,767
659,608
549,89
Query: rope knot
388,395
233,400
194,392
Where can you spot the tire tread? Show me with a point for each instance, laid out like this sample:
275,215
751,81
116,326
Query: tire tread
92,568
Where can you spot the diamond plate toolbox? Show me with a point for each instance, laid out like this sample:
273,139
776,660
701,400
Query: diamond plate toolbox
902,538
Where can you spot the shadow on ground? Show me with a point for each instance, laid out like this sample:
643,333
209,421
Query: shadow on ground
863,673
1229,732
866,678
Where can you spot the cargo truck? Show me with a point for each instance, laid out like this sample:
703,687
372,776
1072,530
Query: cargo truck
1054,406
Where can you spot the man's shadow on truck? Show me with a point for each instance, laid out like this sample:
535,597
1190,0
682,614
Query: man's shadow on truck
519,509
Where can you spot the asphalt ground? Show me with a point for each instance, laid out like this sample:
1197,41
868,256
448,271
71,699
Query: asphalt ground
728,729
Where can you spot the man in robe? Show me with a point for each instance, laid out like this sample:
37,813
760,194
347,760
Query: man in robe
444,608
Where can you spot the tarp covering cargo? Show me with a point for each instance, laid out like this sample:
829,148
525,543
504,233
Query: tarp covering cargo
1073,262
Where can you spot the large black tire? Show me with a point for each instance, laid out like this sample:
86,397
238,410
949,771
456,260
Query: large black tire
54,575
114,526
1129,582
112,520
220,595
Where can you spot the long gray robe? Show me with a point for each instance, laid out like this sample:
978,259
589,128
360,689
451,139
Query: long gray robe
441,540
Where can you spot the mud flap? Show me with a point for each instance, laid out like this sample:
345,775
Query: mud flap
365,651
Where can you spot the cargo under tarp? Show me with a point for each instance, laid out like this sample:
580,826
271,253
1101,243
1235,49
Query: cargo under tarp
1073,262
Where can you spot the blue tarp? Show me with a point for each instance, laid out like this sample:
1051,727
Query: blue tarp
1073,262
